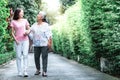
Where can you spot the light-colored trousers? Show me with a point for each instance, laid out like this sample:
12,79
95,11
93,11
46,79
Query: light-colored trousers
22,55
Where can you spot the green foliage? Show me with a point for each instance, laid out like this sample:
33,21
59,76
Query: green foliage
3,26
38,2
66,4
29,6
103,18
6,57
89,30
71,36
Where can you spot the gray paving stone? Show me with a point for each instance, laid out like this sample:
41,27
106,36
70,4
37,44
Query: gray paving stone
59,68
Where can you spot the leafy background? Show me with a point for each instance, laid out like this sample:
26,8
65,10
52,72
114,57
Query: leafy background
85,31
90,30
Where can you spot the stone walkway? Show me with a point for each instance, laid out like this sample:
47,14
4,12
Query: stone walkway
59,68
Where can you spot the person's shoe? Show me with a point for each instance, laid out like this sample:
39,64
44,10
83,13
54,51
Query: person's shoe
37,72
25,74
44,74
20,74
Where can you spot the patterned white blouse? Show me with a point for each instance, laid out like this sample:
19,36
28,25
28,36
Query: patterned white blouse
40,34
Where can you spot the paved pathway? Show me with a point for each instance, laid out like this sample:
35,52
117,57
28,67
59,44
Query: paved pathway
59,68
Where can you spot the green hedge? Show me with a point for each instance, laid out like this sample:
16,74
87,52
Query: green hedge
104,20
6,43
72,36
6,57
5,37
88,30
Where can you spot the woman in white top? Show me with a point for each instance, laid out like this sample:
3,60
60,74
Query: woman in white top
41,40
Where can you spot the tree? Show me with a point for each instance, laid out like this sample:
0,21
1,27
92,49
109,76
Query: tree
66,4
29,6
38,3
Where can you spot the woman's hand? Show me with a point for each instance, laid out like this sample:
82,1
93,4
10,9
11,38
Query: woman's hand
26,33
50,43
13,35
27,30
17,42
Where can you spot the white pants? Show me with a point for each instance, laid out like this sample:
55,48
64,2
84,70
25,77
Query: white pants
22,55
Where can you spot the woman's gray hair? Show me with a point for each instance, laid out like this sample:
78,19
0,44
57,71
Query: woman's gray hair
43,14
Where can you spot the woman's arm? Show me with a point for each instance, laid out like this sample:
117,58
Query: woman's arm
13,35
50,42
27,30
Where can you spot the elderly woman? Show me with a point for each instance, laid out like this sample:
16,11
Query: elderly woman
41,33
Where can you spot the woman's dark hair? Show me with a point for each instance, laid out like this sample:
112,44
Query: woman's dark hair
44,19
16,14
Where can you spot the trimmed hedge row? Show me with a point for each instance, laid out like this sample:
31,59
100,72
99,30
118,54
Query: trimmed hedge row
6,43
6,57
104,22
88,31
3,26
72,36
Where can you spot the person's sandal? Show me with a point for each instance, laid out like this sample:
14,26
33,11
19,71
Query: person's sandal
44,74
37,72
25,74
